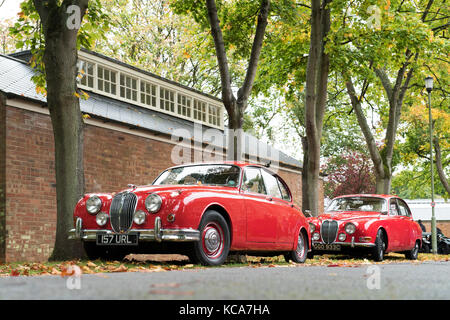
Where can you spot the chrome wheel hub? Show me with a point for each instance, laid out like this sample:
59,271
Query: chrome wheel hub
212,240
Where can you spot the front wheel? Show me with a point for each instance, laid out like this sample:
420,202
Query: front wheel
380,247
214,244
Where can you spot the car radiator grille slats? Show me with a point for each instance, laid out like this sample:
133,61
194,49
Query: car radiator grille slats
121,212
329,231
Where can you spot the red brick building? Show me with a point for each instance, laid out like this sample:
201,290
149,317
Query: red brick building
132,133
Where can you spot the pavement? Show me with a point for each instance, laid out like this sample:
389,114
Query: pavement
404,281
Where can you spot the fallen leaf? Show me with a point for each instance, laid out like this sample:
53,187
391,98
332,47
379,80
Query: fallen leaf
91,264
55,271
121,268
15,273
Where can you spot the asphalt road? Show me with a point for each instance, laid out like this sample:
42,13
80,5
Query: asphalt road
428,280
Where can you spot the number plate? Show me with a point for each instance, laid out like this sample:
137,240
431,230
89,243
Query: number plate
117,239
327,247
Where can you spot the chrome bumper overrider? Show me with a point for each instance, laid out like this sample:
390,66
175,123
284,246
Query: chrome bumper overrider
155,234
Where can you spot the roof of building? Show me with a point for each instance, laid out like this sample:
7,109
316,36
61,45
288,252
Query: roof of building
15,80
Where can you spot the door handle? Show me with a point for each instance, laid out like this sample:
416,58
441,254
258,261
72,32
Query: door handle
269,198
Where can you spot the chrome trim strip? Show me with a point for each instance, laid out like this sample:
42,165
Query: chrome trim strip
351,244
180,235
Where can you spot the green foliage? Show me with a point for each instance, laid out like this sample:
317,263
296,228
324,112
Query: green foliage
28,34
148,35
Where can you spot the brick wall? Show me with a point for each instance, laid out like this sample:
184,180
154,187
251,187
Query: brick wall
443,225
2,177
113,159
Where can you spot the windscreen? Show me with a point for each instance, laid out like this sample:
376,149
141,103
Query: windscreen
358,204
217,175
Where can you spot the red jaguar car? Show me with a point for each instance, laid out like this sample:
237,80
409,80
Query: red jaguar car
202,210
375,223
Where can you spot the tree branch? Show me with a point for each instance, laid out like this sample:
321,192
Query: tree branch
225,77
246,88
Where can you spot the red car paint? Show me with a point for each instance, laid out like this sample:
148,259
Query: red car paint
258,222
401,230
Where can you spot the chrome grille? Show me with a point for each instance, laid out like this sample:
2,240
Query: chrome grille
329,230
121,212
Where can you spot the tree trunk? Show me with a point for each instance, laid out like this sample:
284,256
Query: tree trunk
316,96
60,59
305,194
439,167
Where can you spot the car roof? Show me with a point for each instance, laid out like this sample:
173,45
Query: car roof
235,163
385,196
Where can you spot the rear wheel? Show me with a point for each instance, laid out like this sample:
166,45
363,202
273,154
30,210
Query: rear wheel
300,253
214,244
414,252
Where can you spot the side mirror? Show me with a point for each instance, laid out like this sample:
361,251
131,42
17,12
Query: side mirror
384,213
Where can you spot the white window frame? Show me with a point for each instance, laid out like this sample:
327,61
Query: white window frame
141,77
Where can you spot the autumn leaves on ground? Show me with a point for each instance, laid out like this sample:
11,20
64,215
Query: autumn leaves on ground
164,263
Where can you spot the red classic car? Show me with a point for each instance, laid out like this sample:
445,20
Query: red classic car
202,210
375,223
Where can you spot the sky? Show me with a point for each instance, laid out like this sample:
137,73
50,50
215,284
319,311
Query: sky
9,9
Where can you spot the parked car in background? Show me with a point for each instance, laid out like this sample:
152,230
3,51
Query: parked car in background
375,224
443,243
201,210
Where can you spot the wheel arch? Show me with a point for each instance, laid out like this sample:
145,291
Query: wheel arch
223,212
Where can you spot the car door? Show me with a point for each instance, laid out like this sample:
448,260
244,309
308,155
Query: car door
260,216
281,209
408,232
394,226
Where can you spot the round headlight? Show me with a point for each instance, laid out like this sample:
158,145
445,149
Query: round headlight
93,204
153,203
102,218
139,217
350,228
342,237
312,227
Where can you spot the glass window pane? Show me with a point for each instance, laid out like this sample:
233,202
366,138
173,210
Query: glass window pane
271,184
252,181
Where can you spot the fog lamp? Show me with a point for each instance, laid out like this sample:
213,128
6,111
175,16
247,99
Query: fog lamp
102,218
342,237
139,217
316,236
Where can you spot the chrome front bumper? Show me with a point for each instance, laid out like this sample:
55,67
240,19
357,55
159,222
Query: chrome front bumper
155,234
351,244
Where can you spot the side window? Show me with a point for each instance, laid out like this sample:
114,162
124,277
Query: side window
403,208
393,208
284,191
271,184
253,181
